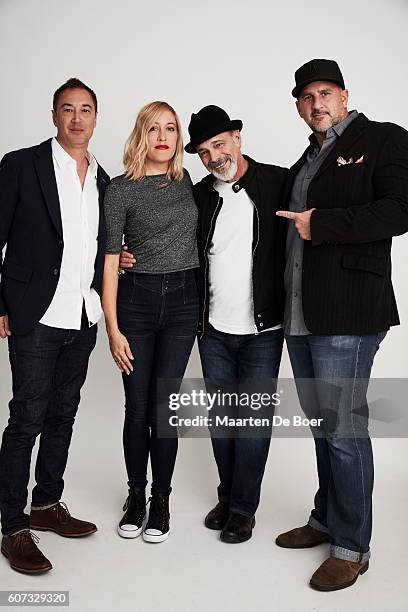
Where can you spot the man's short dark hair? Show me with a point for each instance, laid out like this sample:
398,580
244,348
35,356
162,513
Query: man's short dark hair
73,83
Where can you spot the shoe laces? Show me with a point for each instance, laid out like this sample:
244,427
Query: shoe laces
25,538
159,510
62,512
135,502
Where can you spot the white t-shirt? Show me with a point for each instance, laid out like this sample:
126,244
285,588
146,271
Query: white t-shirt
231,307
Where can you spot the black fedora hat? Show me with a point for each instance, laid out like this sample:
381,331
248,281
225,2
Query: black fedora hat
317,70
208,122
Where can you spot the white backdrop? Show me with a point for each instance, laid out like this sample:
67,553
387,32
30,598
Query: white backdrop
236,54
239,55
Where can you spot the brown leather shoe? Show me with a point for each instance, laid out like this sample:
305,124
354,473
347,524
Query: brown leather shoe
22,552
335,574
302,537
58,519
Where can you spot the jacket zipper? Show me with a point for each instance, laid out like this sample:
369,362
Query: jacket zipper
252,266
206,264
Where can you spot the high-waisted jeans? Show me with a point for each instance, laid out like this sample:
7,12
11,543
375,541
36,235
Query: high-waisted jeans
158,314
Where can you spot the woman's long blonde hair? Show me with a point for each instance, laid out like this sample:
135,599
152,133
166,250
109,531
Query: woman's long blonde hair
134,158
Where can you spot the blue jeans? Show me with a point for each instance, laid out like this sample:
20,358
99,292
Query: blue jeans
158,314
241,363
332,375
49,367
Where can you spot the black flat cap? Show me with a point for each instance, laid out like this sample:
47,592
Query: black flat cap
317,70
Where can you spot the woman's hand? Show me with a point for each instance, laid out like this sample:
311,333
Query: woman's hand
121,353
119,346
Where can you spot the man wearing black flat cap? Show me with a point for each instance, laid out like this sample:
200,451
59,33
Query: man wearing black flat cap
347,197
241,248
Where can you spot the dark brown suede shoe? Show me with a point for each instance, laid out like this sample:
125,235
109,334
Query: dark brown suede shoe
335,574
58,519
302,537
22,552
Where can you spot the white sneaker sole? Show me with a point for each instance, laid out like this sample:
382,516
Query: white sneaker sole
129,533
155,538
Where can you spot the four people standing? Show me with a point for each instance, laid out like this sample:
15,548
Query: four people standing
347,197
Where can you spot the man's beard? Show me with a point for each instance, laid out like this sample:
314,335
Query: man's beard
226,174
318,128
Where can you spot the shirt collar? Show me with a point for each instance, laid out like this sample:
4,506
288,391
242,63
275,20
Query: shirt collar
93,164
63,158
338,129
60,155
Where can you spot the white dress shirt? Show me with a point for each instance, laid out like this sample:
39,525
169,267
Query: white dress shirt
230,264
80,221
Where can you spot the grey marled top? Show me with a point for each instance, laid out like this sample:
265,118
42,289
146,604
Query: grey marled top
158,219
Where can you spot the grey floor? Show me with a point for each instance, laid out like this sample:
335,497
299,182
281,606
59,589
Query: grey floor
193,570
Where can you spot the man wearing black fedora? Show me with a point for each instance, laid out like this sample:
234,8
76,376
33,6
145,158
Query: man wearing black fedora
347,196
241,248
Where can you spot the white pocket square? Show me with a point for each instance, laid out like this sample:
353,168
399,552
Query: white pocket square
345,162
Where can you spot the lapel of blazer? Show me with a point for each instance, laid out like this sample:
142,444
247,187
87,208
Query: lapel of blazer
102,183
45,170
346,140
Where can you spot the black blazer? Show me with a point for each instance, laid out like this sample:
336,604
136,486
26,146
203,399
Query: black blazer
31,226
346,281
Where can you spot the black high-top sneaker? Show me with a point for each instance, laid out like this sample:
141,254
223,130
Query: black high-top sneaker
157,528
131,524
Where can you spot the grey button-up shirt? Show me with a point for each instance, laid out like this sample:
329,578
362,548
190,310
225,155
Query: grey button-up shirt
294,324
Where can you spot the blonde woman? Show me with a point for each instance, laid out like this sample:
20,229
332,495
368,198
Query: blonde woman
151,311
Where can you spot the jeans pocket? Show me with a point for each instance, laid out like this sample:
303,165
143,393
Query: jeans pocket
149,285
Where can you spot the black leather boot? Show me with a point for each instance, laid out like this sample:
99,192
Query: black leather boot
217,517
238,528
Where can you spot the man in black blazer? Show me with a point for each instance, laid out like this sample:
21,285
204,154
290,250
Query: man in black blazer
51,219
347,197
